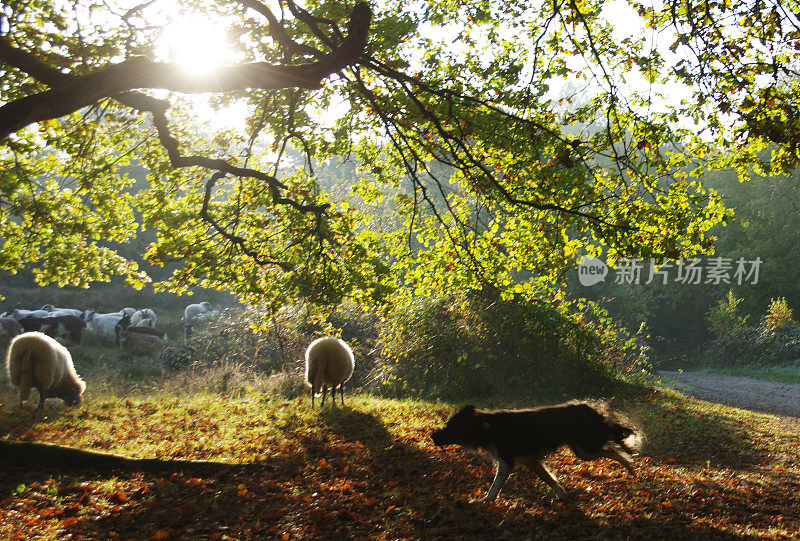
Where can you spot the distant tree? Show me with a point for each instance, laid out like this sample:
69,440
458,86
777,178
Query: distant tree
768,219
457,111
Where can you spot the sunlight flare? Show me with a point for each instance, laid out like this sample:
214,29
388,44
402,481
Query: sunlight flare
197,45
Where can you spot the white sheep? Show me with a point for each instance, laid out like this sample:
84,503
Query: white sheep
193,310
103,324
66,312
140,345
142,315
329,363
19,313
54,312
16,313
196,313
36,360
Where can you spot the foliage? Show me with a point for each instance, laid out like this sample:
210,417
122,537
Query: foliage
495,164
782,373
724,320
767,213
778,319
371,471
776,341
740,58
753,348
481,344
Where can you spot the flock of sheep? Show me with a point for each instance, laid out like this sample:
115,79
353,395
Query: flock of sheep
35,359
68,324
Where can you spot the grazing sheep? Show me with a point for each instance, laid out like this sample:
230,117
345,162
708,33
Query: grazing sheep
69,325
195,314
193,310
66,312
139,345
53,311
146,330
144,314
10,326
36,360
18,313
103,324
121,327
329,363
46,325
145,322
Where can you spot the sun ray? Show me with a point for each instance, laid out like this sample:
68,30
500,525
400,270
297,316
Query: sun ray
197,45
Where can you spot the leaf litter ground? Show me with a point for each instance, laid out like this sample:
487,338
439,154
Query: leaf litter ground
370,471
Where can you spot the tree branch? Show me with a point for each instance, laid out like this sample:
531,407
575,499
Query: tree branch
278,32
70,93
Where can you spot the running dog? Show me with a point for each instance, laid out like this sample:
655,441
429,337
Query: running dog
591,429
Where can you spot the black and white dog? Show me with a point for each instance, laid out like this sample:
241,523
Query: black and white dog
591,429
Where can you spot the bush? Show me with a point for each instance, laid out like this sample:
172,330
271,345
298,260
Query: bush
775,341
723,319
778,320
480,345
251,339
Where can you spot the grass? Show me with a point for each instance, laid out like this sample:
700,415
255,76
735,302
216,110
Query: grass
370,471
789,373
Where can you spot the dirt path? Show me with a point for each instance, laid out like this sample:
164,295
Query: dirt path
748,393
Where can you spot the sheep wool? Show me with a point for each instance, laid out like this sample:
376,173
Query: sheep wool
140,345
34,360
329,363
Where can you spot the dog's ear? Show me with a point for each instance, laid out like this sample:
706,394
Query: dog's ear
468,409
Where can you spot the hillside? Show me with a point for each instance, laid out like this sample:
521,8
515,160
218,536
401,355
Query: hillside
370,471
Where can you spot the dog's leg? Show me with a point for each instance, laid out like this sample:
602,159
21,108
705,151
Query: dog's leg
613,454
544,474
605,452
500,476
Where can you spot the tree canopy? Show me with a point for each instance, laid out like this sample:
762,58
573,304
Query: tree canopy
506,139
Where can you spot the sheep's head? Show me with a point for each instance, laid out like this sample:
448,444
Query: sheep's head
72,396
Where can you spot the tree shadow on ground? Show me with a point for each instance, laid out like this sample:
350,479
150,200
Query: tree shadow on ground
678,432
349,477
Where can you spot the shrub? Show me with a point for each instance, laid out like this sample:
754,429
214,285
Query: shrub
778,319
270,345
479,344
775,341
723,319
